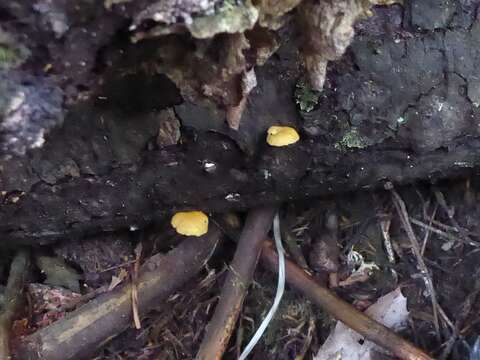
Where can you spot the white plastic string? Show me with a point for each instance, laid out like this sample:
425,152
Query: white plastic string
279,294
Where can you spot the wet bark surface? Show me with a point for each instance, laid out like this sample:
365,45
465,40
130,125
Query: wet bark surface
401,105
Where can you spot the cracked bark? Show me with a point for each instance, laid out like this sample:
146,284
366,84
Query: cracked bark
401,105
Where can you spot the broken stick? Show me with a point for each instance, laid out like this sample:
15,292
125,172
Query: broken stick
407,226
222,324
341,310
82,331
12,299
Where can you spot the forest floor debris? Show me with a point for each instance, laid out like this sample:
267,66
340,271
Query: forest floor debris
176,327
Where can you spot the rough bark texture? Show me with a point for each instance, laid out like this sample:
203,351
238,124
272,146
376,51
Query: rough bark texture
402,104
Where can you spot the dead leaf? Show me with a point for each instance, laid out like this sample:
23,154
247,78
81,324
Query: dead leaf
346,344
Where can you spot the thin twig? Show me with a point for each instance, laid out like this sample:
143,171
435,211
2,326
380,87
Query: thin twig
239,338
446,319
341,310
294,249
308,339
453,337
13,292
448,346
428,232
222,324
385,228
291,236
443,204
122,265
454,229
134,294
405,219
465,313
445,227
443,233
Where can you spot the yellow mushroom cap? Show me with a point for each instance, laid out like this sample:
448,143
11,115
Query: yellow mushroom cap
190,223
282,136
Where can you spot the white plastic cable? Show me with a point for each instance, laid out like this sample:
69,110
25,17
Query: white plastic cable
279,294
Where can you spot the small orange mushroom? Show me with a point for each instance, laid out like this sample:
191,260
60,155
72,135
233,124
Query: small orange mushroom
282,136
190,223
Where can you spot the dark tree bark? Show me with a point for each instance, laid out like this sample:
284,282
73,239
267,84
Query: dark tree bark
401,105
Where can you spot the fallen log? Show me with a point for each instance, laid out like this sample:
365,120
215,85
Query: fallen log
401,105
126,198
81,332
